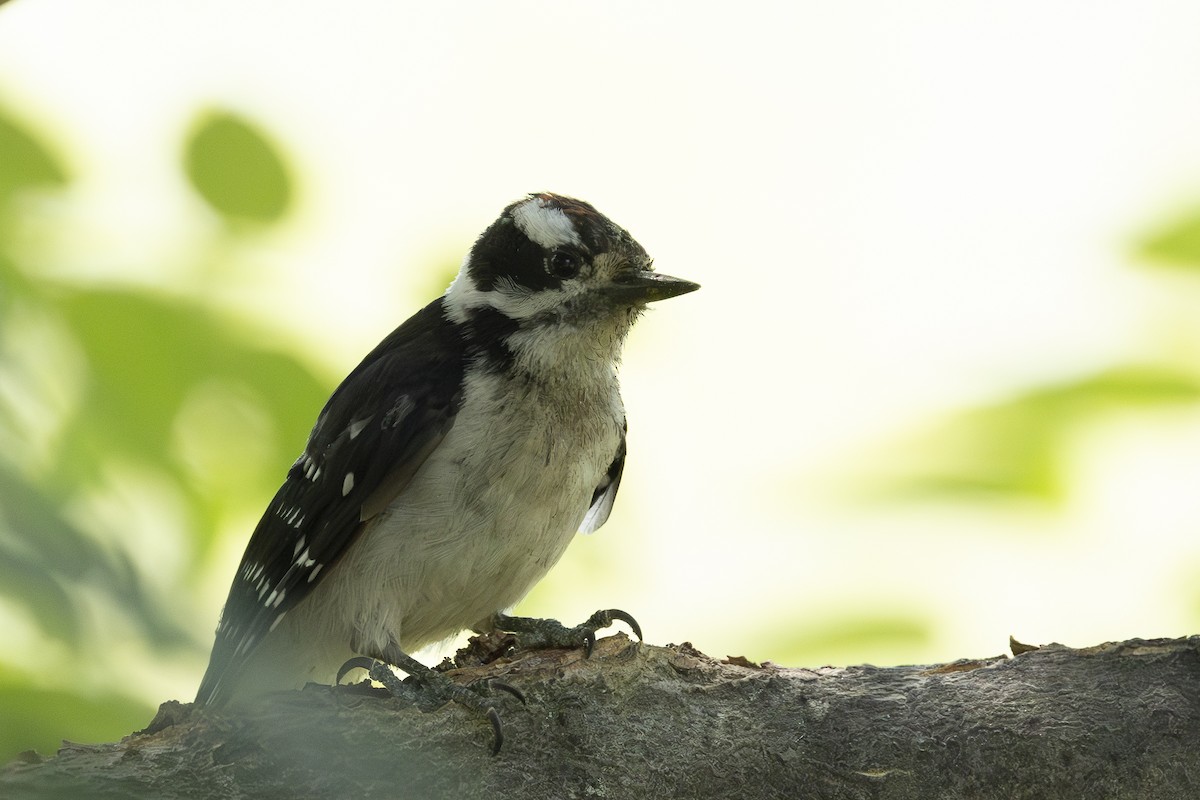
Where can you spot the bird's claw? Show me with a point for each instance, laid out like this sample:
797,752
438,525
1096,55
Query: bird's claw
548,633
429,689
358,662
603,619
505,687
497,730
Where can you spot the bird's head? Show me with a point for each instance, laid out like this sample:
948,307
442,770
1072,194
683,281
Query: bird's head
562,279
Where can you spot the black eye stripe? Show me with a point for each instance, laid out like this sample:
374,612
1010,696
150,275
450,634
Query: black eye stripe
503,251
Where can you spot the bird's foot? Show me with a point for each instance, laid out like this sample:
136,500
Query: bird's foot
429,689
536,633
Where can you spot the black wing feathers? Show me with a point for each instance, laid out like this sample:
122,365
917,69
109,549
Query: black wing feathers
373,434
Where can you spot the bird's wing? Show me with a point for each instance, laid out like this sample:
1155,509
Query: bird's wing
373,435
606,493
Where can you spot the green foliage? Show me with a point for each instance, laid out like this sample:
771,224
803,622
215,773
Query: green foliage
24,162
40,718
45,559
850,639
237,171
148,356
1014,448
1176,243
161,386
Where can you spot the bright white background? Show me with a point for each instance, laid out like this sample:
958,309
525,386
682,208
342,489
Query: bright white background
895,210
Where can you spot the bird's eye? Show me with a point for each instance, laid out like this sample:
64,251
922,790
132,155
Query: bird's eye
562,264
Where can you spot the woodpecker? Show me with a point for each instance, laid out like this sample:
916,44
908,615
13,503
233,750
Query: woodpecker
449,471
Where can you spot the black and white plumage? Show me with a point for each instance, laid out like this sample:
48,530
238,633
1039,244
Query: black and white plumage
450,469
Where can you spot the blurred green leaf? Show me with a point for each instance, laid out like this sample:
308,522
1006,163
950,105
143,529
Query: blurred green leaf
11,282
38,551
849,640
174,403
147,355
44,558
154,364
1012,448
47,716
40,592
1177,243
236,170
24,161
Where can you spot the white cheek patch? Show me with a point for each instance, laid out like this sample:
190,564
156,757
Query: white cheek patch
516,302
548,227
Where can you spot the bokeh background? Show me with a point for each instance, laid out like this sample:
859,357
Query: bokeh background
942,383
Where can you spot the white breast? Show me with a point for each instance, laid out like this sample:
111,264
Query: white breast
487,516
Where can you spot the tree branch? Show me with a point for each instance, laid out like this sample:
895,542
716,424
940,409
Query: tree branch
1114,721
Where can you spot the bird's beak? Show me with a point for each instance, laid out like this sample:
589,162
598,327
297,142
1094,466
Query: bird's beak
641,286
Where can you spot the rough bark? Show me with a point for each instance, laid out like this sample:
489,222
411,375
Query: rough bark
1114,721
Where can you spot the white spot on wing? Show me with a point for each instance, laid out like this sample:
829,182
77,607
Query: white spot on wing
312,576
596,516
397,413
348,484
277,621
244,645
357,426
303,560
